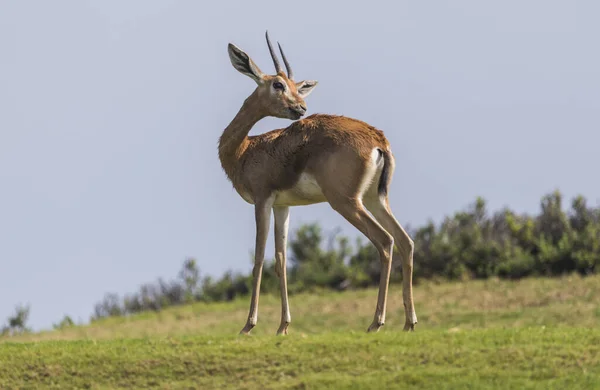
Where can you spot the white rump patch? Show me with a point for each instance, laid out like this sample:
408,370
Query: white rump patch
372,175
376,157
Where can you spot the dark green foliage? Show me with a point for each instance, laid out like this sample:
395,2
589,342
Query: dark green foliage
470,244
156,296
66,322
227,288
313,266
17,324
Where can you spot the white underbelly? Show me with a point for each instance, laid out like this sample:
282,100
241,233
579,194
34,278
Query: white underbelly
306,191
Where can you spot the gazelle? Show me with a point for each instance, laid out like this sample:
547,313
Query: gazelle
322,158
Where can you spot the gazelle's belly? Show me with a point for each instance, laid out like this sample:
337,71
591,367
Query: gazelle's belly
306,191
246,196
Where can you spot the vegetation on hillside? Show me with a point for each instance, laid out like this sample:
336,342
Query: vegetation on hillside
469,244
569,301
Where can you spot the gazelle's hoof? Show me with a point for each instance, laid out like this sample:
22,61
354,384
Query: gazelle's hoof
409,327
283,329
375,326
247,329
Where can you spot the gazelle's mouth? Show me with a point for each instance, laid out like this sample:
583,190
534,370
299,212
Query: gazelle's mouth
297,113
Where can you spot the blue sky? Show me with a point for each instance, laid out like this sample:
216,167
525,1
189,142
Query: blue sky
110,112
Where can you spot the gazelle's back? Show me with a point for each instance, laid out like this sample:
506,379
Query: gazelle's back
308,154
323,132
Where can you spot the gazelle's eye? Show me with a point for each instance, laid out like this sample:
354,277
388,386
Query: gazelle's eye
278,85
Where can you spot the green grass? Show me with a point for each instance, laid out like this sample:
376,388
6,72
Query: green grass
500,358
536,333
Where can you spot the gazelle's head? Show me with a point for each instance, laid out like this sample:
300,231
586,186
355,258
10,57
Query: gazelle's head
279,94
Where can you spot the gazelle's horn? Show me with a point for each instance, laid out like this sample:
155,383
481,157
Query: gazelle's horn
273,55
287,64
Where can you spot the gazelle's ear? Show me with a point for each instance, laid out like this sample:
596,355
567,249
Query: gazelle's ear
244,64
305,87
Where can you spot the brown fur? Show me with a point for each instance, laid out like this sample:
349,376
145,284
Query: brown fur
273,161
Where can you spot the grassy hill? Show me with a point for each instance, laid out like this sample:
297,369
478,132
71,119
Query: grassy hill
534,333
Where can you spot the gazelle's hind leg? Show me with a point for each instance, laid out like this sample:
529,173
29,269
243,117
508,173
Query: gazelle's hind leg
355,213
344,186
380,208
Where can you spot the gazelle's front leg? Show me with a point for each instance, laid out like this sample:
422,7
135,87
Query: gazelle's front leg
262,211
282,218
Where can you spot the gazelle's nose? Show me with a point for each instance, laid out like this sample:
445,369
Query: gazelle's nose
302,107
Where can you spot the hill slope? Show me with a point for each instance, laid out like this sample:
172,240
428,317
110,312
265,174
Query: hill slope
535,333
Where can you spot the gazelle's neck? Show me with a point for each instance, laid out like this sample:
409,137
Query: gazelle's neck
234,140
